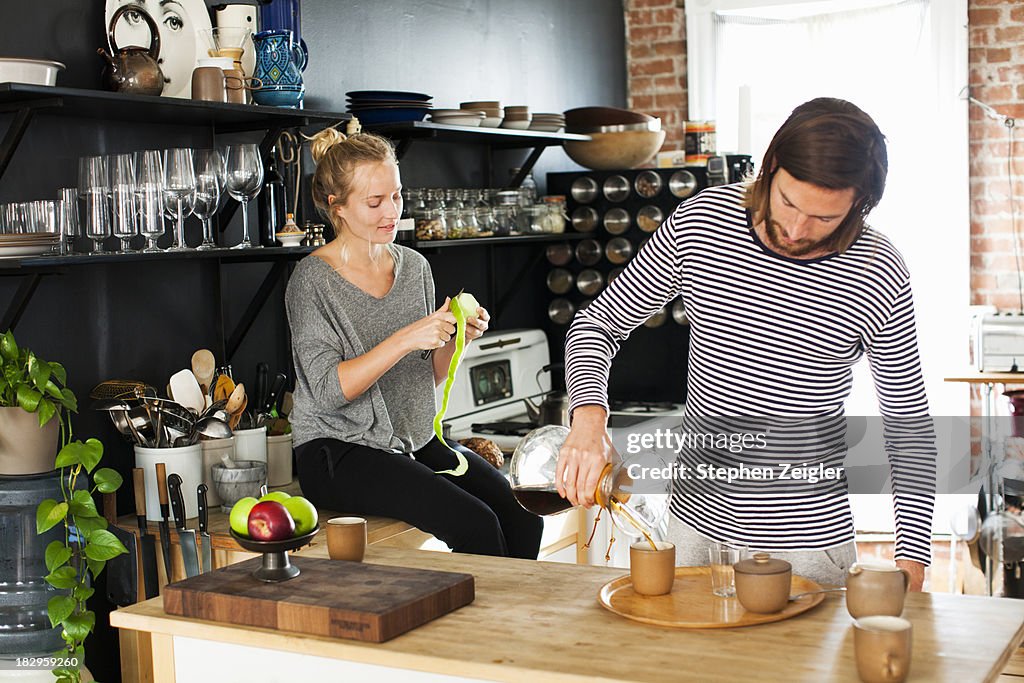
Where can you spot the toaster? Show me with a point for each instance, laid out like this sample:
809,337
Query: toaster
999,342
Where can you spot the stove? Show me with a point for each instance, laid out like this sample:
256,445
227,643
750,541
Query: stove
502,370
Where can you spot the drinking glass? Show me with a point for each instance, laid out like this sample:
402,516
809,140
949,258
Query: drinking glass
93,185
149,199
209,169
179,189
722,557
69,224
122,198
244,181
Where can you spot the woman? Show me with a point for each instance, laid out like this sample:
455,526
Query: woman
361,310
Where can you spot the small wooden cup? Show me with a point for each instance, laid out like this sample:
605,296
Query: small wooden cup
346,538
652,571
882,646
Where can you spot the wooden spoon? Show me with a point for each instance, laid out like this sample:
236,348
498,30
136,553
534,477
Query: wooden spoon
203,367
237,416
224,387
237,399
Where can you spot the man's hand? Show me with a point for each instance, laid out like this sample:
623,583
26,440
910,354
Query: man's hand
916,570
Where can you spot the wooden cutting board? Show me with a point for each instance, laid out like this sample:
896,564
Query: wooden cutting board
354,600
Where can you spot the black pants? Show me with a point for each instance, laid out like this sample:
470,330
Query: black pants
475,513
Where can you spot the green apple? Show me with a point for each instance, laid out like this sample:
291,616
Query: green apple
303,512
279,496
239,518
468,303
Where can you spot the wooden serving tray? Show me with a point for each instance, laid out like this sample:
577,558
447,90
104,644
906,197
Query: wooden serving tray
691,604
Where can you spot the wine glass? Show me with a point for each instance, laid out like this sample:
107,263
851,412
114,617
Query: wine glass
149,199
122,198
93,184
208,168
244,181
179,189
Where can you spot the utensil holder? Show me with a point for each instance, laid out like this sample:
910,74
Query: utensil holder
251,444
279,460
187,461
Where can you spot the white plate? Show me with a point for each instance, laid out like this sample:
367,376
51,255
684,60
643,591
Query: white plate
33,250
180,45
457,120
19,240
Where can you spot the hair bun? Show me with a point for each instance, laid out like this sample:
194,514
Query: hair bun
323,141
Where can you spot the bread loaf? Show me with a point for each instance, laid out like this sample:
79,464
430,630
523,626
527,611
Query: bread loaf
486,449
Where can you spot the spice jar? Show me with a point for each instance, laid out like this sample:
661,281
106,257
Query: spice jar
531,219
504,220
470,226
554,220
485,221
453,220
431,225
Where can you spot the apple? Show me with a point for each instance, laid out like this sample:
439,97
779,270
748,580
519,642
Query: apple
468,303
270,521
303,512
279,496
240,515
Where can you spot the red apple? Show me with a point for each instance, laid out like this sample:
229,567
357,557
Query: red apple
270,521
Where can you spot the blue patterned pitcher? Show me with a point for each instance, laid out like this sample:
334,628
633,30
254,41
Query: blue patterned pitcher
279,63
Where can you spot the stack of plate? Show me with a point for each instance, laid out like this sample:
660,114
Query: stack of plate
493,113
517,117
549,123
388,106
457,117
30,244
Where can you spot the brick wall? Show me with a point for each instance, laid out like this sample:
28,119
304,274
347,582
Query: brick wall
656,63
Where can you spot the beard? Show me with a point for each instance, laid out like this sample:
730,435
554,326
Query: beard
775,240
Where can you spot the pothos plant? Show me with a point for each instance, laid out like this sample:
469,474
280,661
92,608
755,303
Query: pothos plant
35,386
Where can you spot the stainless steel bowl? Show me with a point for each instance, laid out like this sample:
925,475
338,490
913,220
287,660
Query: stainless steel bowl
559,254
561,311
648,184
682,184
584,189
589,282
616,188
584,219
649,217
560,281
658,319
588,252
679,313
618,250
616,221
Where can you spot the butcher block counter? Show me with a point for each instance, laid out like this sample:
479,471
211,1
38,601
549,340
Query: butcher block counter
534,621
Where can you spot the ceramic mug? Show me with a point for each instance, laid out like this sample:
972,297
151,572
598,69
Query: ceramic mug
208,84
652,571
882,647
876,588
346,538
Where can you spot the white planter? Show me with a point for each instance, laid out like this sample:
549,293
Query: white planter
213,451
25,447
279,460
187,461
251,444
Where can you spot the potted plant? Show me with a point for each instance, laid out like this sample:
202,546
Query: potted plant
76,560
32,393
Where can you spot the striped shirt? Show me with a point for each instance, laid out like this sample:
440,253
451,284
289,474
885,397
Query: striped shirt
774,337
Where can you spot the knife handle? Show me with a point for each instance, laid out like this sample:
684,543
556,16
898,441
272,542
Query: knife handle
139,489
161,483
276,389
177,502
201,496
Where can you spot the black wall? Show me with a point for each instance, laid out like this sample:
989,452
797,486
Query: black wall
143,321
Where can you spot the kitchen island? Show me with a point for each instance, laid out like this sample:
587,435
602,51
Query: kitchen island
535,621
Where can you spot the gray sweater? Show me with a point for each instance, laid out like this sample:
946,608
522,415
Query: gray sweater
333,320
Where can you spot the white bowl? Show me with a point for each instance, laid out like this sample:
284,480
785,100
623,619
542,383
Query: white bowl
32,71
520,124
546,127
290,239
453,120
491,122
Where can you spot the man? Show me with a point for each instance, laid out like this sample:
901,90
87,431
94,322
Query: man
786,288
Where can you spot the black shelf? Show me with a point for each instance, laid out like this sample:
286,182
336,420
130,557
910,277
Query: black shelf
55,261
509,240
101,104
498,138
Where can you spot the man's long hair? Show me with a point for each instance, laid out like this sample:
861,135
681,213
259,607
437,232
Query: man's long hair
833,144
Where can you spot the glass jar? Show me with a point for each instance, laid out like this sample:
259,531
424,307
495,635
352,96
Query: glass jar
556,217
531,219
432,225
637,507
456,228
434,199
470,225
485,221
504,218
414,204
453,198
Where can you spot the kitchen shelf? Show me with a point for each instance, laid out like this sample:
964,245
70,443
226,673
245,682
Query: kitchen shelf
507,138
55,261
480,241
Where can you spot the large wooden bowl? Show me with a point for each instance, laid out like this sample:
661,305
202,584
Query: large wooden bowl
613,151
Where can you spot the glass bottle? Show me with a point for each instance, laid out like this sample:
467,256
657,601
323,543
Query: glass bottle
527,188
271,203
636,508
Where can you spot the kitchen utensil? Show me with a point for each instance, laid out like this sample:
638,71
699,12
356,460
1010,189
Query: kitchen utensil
794,598
584,189
560,311
203,366
876,588
204,530
223,386
133,69
346,538
186,537
186,391
618,150
616,221
279,459
560,281
682,184
763,583
210,427
882,646
615,188
31,71
691,603
122,571
584,219
262,369
274,395
652,571
356,600
589,282
588,252
147,546
618,250
165,530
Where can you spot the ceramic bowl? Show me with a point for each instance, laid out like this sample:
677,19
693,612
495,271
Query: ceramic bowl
234,483
762,583
32,71
518,124
290,239
609,151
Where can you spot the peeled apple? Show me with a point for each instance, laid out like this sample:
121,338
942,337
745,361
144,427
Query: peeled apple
463,306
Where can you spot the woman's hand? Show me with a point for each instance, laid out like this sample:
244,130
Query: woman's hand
478,324
583,456
432,332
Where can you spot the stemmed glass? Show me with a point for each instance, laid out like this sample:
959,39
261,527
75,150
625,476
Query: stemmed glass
244,181
179,189
209,169
149,199
93,185
122,198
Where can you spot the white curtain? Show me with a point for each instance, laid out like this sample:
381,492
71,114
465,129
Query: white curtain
904,63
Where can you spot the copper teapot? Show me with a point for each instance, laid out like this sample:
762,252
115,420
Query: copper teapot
133,69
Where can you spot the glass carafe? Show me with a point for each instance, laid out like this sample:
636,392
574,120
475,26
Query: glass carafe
637,507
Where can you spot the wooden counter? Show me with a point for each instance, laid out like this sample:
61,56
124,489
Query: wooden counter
541,621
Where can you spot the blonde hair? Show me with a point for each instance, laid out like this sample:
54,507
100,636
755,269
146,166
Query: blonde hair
336,156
